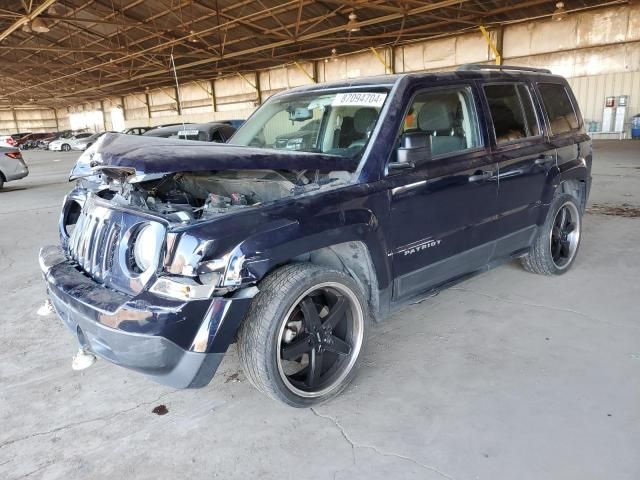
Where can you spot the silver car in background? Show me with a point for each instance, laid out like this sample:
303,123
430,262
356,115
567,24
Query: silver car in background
12,165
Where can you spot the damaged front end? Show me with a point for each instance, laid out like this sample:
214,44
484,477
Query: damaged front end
131,279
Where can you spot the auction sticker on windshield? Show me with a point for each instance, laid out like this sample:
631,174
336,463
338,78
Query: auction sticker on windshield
188,133
359,99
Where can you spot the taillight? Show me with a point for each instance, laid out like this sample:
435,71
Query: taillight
10,141
16,155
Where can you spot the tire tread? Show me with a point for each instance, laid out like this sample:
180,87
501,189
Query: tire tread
538,259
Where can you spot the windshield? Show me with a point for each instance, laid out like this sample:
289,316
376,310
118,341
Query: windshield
337,123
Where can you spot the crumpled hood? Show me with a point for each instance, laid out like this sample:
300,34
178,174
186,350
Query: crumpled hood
151,155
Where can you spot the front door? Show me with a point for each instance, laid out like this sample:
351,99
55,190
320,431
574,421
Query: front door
441,210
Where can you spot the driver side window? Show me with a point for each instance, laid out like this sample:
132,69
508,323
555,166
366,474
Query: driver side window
446,117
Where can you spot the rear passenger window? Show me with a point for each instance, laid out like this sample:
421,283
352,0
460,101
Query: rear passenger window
562,116
512,112
447,116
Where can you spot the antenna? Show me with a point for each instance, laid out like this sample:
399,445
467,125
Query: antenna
175,75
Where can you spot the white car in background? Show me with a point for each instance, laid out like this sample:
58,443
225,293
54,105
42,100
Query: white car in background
65,144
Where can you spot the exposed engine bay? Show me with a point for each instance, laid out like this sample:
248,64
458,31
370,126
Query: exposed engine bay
188,196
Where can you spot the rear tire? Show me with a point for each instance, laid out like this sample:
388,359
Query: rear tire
304,334
1,181
556,246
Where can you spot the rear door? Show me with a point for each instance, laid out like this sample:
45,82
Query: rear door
524,157
441,210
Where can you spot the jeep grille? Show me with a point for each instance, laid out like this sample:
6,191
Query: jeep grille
93,242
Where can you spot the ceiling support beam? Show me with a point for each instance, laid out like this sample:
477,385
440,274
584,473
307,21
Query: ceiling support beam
55,116
15,119
178,102
310,77
147,103
240,53
492,46
213,96
381,59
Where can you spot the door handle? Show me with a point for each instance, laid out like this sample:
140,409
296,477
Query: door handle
544,159
480,175
510,173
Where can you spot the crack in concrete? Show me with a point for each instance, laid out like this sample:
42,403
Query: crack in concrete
39,469
377,450
539,305
82,422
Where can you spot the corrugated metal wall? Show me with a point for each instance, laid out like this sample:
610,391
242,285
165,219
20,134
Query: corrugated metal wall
591,92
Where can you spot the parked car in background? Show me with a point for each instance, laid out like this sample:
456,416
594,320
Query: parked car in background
12,165
86,142
185,248
303,138
136,130
19,138
66,143
33,140
204,132
44,143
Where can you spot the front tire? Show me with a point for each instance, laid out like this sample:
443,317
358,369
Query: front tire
304,334
556,246
65,147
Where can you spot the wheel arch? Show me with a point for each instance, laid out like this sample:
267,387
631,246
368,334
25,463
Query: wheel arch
577,188
354,259
571,178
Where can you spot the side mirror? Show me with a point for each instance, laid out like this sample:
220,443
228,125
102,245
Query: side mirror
415,148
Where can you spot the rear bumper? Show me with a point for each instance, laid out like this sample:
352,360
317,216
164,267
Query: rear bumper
20,172
174,343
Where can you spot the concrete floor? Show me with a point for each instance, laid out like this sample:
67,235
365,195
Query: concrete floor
506,376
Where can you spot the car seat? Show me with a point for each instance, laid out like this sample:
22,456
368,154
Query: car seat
363,122
436,118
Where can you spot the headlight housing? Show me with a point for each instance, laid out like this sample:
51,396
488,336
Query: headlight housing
182,288
145,247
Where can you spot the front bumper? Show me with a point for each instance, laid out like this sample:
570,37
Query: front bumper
179,344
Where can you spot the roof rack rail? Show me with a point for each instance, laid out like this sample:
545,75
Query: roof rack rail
474,67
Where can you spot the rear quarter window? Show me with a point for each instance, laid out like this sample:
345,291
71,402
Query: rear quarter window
560,110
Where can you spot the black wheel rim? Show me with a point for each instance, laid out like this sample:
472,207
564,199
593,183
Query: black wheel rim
320,340
565,235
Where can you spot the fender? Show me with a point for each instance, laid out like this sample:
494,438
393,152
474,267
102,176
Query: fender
255,242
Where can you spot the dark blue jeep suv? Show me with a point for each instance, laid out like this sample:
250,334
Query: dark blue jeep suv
330,205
